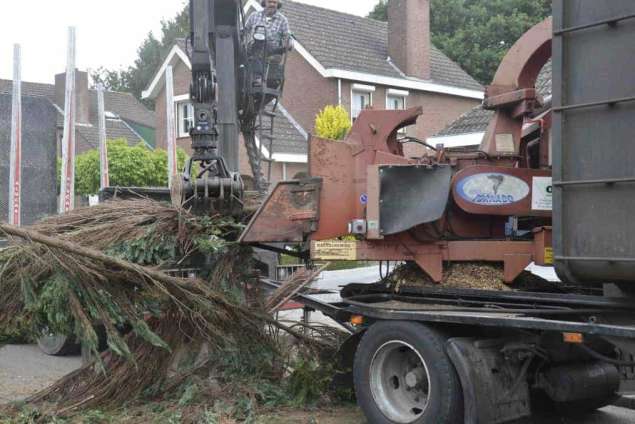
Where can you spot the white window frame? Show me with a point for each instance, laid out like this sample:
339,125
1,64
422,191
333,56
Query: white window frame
361,89
179,103
392,94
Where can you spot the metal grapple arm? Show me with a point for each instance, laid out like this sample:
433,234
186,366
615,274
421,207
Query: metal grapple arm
215,57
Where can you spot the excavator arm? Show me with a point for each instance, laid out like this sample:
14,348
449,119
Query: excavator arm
211,179
226,103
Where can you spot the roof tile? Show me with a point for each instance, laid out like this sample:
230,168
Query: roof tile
342,41
124,105
477,119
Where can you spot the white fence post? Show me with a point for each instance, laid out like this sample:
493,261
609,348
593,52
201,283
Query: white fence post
67,191
15,166
171,128
104,177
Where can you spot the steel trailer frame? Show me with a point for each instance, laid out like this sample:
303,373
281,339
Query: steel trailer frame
533,313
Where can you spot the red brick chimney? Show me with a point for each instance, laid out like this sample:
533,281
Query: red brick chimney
81,91
409,36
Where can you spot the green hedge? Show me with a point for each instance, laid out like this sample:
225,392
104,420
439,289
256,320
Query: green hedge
128,166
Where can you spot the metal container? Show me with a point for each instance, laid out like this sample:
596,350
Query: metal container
594,140
39,148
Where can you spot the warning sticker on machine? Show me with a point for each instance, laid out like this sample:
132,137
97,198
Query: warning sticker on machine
548,256
505,143
334,250
542,194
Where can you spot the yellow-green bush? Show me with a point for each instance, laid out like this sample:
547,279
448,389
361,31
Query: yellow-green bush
332,122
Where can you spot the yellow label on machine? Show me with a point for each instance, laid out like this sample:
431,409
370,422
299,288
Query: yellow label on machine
549,255
334,250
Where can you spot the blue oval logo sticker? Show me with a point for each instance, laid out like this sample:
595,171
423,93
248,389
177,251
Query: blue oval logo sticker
492,189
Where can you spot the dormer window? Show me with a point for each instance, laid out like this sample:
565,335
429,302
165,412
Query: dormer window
111,116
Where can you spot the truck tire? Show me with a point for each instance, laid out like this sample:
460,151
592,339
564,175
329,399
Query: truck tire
57,344
403,375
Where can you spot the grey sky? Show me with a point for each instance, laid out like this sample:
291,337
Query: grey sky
106,36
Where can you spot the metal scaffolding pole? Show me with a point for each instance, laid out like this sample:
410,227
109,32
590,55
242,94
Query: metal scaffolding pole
67,191
15,166
171,128
104,178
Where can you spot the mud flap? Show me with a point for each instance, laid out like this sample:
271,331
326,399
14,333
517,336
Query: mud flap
412,195
343,378
492,390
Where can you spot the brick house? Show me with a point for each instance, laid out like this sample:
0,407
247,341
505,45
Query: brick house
126,117
290,139
347,60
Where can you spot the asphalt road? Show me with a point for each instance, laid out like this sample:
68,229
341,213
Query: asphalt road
609,415
25,369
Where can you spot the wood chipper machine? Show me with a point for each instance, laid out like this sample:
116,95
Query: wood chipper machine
490,205
422,354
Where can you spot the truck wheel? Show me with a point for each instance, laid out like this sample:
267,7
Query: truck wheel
57,344
403,375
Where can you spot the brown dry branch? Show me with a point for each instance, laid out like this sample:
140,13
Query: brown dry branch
87,387
190,295
109,223
292,286
63,261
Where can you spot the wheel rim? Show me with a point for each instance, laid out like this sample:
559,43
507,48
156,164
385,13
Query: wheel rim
51,343
400,382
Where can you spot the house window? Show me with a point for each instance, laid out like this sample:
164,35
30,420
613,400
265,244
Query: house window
395,103
185,117
361,98
396,100
111,116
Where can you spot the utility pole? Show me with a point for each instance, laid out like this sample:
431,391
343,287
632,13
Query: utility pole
15,166
67,191
104,180
170,118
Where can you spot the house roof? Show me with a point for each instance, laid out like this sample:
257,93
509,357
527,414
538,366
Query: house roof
477,119
340,45
348,42
115,129
288,136
29,89
124,105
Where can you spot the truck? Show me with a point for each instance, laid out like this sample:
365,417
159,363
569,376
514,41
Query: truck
552,183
